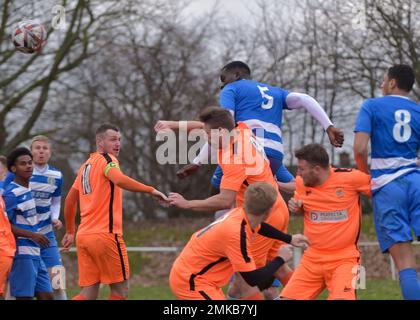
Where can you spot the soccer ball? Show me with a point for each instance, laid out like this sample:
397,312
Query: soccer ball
29,36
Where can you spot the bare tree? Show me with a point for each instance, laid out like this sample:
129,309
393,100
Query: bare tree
28,79
158,70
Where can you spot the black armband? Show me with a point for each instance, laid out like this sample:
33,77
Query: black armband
269,231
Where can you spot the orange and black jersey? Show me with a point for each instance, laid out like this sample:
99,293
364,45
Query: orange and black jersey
100,199
214,253
332,213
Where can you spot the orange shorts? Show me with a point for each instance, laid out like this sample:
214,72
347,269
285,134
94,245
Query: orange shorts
5,266
181,287
265,249
102,257
310,278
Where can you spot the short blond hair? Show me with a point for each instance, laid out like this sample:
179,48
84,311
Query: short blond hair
260,198
40,138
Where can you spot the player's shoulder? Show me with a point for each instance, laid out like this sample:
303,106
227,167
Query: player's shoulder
99,159
349,175
53,172
12,191
109,157
371,102
378,101
299,181
272,87
232,219
233,85
53,169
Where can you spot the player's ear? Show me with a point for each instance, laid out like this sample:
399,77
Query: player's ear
99,141
392,83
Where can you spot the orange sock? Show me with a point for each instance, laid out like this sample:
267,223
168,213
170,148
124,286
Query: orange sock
256,296
115,297
79,297
284,280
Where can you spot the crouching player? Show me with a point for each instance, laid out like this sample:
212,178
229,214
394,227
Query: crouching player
329,199
214,253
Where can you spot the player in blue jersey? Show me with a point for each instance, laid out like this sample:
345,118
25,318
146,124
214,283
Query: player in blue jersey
392,123
260,106
46,185
3,172
29,276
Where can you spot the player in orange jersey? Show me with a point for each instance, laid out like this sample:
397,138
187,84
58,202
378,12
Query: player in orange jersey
7,247
101,251
330,201
243,162
214,253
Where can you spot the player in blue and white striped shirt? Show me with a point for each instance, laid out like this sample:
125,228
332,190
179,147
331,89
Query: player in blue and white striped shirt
392,123
28,276
46,185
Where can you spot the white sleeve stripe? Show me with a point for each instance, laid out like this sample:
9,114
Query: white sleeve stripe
391,163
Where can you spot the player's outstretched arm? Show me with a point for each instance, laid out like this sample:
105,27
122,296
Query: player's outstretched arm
114,174
223,200
360,149
163,125
296,100
287,187
70,210
296,240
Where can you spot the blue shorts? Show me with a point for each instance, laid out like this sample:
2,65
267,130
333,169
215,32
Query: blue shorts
28,276
396,210
276,164
51,255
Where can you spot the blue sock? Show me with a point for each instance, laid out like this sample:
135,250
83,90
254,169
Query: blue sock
410,285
